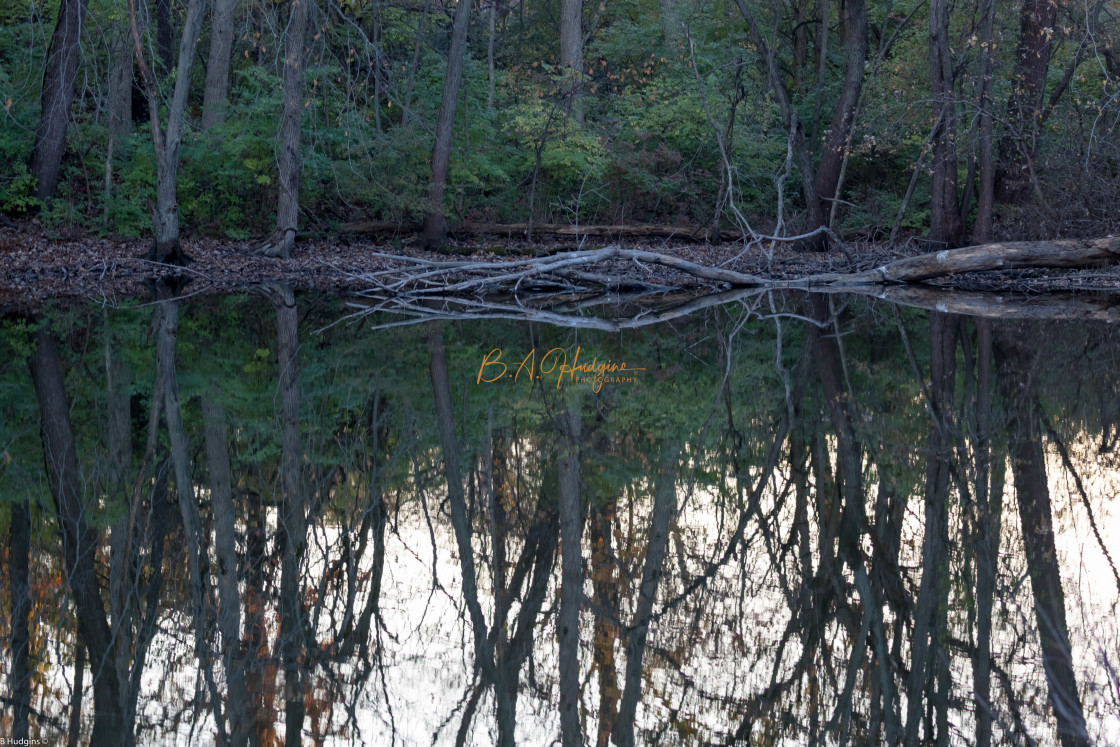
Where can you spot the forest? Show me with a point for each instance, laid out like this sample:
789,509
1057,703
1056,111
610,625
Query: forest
879,121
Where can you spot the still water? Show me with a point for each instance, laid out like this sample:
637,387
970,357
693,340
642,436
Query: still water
807,520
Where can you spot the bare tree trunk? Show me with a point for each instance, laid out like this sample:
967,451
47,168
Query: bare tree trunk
945,224
288,163
491,43
435,223
829,168
120,82
1032,62
120,103
571,576
670,22
571,55
215,96
985,201
78,540
163,35
19,584
406,115
58,94
165,217
664,507
225,543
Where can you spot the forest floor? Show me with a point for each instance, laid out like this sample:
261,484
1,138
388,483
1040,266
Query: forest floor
36,268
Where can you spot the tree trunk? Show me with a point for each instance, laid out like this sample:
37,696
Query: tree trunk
571,577
225,543
19,584
435,223
945,224
58,94
670,23
836,144
215,96
288,163
985,200
571,55
78,541
1024,109
165,217
491,43
120,82
163,35
664,507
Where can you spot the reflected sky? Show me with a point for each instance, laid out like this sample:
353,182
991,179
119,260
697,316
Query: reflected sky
813,521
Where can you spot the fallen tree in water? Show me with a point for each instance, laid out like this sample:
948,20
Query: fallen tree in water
614,267
564,288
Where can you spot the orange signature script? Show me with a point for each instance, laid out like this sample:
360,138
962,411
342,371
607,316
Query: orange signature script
555,363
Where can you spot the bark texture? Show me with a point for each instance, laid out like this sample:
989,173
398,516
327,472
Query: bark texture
165,216
571,54
945,224
435,222
63,55
215,96
1024,109
288,163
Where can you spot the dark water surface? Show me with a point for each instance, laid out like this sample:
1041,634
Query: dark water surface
816,521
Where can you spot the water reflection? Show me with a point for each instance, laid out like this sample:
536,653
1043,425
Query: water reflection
839,524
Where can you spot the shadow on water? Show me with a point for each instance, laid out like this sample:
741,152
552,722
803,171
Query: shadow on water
776,519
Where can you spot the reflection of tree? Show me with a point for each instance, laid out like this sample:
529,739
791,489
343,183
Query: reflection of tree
664,508
225,545
799,553
78,540
19,552
571,576
1028,465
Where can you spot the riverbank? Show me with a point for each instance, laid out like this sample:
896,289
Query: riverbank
36,268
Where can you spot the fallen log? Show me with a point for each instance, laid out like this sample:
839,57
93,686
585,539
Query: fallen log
418,277
684,233
1066,254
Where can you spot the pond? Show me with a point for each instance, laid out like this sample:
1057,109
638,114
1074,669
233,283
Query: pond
794,519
